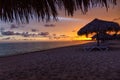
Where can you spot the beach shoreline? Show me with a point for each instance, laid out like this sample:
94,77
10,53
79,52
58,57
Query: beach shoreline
65,63
24,53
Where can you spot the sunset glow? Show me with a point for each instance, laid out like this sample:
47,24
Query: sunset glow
64,29
82,38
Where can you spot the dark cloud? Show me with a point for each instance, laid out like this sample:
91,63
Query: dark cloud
24,34
49,25
27,34
17,33
57,37
44,34
33,35
64,36
8,33
8,38
34,30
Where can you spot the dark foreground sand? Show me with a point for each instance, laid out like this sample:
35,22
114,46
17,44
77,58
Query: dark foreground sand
68,63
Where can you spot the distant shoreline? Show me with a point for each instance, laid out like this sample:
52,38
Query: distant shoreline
42,41
26,53
7,46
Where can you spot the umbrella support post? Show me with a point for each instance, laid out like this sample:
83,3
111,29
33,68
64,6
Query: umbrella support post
98,43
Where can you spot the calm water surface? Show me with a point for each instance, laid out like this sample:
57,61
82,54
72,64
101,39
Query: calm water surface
23,47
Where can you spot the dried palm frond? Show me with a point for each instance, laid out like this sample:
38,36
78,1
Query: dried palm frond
99,26
24,10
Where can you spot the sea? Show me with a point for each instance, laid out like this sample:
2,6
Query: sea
13,48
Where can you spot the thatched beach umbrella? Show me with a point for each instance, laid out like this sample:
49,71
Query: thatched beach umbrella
102,37
99,26
23,10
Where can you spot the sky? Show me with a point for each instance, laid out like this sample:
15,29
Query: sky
64,29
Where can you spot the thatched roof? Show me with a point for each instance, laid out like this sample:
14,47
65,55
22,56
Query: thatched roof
23,10
99,26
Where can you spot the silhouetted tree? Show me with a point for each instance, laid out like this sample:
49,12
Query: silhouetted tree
23,10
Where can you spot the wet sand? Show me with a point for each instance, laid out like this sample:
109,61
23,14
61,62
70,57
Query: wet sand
66,63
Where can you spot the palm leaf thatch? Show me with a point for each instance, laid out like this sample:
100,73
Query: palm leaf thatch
99,27
23,10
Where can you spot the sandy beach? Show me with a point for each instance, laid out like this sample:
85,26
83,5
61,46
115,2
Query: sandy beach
66,63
